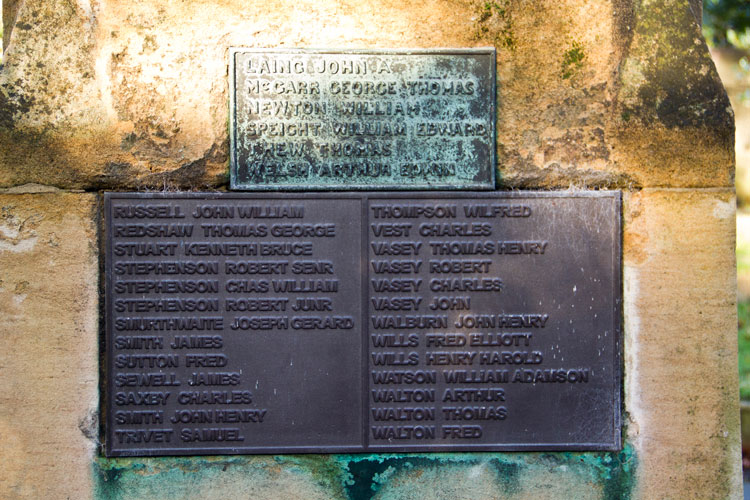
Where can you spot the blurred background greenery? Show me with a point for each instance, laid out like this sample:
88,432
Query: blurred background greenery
726,27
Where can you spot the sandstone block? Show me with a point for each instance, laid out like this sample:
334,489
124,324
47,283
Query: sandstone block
49,360
681,387
134,95
682,418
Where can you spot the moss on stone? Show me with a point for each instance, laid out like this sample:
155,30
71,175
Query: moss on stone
669,76
572,60
495,22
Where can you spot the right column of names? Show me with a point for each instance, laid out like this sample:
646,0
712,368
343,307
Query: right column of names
490,322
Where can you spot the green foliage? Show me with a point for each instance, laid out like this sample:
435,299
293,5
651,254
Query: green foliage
727,22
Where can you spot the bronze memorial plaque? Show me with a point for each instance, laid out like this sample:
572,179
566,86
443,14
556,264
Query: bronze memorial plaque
362,322
367,119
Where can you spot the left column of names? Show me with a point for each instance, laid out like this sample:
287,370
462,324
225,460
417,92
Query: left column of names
232,324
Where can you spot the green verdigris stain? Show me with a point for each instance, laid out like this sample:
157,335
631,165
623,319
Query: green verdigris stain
206,478
375,119
605,475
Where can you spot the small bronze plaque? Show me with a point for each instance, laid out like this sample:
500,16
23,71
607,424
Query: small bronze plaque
371,322
387,119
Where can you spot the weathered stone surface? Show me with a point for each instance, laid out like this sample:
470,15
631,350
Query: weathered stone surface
121,94
455,476
675,125
487,479
49,359
681,387
681,382
259,478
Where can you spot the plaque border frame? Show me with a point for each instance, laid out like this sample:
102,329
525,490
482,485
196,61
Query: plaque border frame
107,350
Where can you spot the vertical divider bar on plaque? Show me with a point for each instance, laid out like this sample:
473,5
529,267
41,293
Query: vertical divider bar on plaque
365,277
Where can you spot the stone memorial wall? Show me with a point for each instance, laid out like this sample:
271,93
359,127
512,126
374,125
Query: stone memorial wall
565,329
